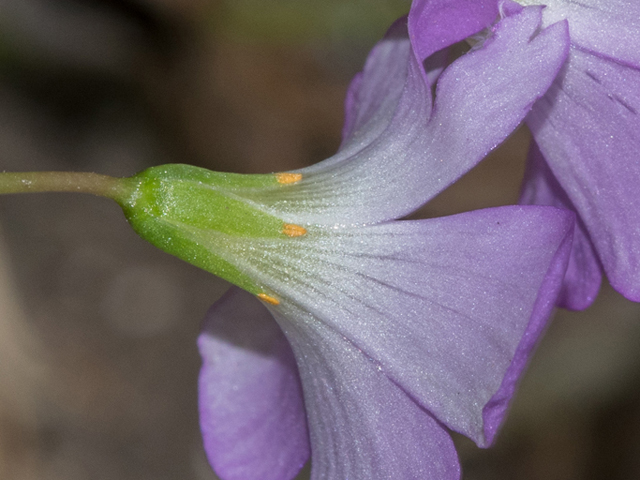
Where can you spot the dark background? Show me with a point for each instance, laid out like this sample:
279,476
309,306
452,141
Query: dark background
98,363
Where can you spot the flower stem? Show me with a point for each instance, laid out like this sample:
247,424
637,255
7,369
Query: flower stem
118,189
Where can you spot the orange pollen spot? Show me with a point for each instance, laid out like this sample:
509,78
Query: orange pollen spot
269,299
286,178
293,230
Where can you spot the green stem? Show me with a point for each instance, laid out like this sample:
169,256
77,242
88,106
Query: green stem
118,189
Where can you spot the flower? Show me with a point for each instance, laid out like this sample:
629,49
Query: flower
587,143
373,335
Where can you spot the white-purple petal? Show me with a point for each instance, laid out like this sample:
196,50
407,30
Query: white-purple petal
362,425
441,304
588,129
477,117
607,28
420,151
433,25
584,273
436,24
374,93
251,409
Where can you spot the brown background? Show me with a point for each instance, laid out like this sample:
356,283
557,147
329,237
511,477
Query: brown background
98,363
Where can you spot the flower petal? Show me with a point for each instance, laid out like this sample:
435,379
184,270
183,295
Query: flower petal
609,28
588,129
374,93
251,410
441,304
497,103
433,26
421,152
436,24
584,273
362,425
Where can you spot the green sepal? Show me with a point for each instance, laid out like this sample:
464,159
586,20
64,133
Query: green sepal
196,215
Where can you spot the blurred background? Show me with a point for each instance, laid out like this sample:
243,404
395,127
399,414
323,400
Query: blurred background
98,363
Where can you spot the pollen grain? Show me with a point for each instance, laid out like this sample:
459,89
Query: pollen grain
293,230
286,178
268,298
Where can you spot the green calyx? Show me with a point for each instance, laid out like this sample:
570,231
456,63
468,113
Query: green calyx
197,215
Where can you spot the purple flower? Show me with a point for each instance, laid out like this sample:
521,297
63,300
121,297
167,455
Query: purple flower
376,336
586,154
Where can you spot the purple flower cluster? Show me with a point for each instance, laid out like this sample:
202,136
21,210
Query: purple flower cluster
386,333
